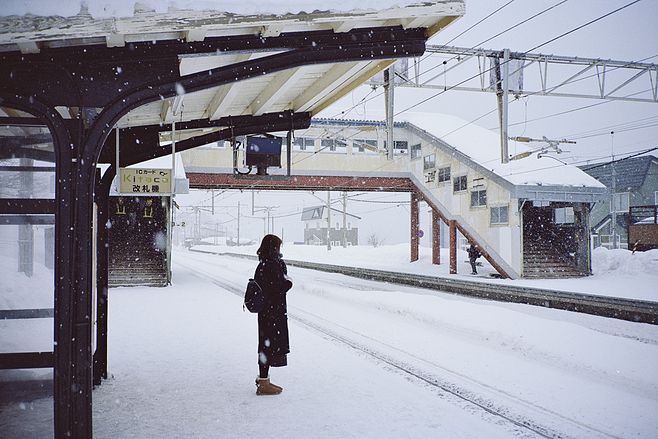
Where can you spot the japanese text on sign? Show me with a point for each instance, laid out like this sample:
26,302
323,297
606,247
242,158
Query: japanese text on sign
145,181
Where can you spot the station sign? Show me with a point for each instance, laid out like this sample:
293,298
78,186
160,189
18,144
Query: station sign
145,181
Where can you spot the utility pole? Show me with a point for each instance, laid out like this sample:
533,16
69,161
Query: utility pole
328,220
268,209
389,94
502,87
613,209
344,219
238,243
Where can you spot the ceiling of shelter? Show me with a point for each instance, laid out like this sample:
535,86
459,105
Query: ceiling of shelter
309,88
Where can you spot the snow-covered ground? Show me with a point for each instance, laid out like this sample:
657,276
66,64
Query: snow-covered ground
617,273
368,360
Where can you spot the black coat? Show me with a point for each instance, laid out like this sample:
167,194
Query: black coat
273,340
473,253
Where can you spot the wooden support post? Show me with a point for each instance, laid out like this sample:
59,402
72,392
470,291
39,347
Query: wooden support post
453,246
102,277
436,237
414,226
75,177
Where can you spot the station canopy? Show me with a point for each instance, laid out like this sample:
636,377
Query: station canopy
306,88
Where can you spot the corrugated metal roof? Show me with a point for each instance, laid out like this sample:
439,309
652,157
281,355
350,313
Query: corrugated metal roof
629,173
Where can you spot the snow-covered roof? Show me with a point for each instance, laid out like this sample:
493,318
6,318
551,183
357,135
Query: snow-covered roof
35,24
483,147
317,212
126,8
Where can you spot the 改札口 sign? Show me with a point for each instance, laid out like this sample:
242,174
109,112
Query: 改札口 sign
145,181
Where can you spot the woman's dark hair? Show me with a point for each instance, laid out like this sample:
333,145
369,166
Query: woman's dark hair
270,247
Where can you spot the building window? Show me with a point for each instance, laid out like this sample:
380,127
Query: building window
416,151
303,143
443,174
429,162
459,184
499,215
328,145
430,176
478,198
620,202
364,146
334,145
563,215
400,147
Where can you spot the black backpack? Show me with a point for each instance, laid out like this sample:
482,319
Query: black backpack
254,298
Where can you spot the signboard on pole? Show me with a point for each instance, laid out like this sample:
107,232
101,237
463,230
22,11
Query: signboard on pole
145,181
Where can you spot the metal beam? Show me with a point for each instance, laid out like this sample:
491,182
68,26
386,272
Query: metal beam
562,74
300,182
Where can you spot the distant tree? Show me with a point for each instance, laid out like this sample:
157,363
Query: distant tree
374,240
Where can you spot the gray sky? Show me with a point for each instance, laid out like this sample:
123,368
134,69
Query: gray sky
629,35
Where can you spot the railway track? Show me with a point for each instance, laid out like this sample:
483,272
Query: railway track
433,375
618,308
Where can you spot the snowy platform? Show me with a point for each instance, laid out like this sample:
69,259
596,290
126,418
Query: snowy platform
368,360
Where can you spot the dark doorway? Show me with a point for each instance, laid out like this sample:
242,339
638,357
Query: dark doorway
138,241
553,242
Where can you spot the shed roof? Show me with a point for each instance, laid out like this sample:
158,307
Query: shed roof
317,212
630,173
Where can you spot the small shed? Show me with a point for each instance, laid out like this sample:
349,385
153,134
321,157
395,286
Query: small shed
344,227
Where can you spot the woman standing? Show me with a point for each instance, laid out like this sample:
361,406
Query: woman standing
273,344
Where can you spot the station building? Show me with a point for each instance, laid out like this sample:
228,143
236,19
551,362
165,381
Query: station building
530,217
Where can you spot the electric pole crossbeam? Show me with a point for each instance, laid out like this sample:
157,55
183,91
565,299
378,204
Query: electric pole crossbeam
595,78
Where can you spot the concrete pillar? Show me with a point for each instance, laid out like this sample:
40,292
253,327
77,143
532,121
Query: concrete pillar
414,226
436,238
453,246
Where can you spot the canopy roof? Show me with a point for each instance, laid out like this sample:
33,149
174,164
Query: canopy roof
309,88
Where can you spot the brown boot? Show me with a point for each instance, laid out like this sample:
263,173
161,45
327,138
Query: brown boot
264,387
271,384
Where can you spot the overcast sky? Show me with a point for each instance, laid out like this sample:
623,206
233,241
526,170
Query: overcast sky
629,35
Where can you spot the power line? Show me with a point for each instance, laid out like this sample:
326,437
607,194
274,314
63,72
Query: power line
527,51
584,25
482,20
621,160
499,34
482,42
581,161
